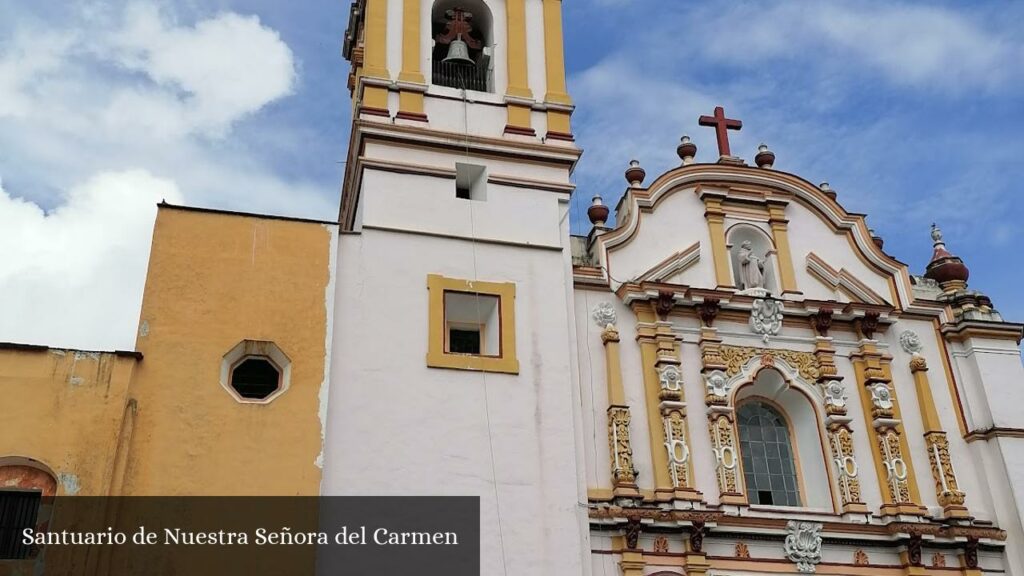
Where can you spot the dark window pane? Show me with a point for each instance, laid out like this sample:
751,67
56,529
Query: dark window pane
464,341
18,511
770,472
255,378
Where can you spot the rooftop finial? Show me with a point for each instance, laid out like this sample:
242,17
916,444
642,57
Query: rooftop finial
937,235
765,158
598,212
635,174
686,150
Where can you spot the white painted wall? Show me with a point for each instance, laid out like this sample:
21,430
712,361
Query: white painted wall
399,427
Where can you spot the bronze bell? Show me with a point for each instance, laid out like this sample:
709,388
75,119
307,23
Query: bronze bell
458,52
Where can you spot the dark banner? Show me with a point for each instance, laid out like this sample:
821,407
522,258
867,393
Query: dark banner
244,536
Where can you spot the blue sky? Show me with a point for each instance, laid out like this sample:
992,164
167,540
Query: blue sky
910,110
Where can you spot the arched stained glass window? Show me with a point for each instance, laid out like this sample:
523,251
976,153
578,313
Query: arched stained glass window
769,465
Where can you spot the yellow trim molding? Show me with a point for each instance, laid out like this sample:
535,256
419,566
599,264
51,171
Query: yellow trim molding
411,43
780,235
437,357
518,85
375,39
715,216
554,55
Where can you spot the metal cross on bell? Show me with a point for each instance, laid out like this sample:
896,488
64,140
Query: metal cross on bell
458,52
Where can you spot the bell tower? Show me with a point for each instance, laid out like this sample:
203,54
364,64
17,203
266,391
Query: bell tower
451,363
466,71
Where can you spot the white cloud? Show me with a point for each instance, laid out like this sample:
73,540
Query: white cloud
922,46
228,66
75,275
102,114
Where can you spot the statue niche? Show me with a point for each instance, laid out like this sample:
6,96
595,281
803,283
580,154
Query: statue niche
752,256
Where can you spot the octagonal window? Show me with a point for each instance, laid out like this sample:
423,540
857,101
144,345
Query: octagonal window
255,371
255,378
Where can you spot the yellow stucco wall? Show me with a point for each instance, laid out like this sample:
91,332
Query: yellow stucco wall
214,280
63,410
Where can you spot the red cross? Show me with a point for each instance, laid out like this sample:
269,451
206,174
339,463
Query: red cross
721,124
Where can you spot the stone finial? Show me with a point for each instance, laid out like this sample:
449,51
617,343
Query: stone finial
686,150
765,158
827,190
598,212
635,174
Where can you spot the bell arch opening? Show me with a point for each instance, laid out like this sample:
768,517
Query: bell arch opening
781,444
752,258
463,49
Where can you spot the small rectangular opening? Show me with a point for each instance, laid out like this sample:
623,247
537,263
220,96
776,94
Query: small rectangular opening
472,324
464,340
765,497
470,181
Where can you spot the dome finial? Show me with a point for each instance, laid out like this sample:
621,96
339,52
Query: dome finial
948,270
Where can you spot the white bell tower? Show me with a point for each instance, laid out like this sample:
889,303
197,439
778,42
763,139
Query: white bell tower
452,329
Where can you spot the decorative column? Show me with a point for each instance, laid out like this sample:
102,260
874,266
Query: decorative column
559,105
518,98
666,408
837,422
947,492
721,417
623,471
411,83
882,413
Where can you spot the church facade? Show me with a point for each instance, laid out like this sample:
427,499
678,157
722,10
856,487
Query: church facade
734,378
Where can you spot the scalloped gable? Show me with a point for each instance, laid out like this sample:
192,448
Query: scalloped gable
658,223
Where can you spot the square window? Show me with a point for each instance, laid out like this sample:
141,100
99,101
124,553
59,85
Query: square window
470,181
473,321
471,325
765,497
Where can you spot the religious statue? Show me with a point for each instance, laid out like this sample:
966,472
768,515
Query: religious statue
752,267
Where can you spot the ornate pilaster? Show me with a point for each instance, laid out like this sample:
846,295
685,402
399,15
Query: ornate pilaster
623,471
721,417
947,491
666,406
837,422
881,412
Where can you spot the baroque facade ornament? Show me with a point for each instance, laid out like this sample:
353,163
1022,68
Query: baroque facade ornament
678,451
910,342
835,394
742,551
881,396
604,314
623,471
670,377
803,544
841,443
735,357
661,544
717,384
766,317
